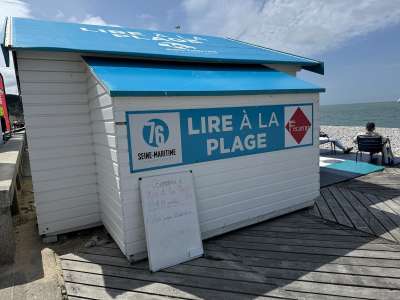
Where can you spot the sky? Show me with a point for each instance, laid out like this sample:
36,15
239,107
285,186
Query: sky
357,40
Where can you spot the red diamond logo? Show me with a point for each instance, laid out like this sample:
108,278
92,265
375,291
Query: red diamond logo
298,125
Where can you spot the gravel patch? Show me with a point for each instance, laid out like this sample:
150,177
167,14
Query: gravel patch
346,134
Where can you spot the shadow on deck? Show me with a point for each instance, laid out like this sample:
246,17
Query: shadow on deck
297,256
275,259
369,203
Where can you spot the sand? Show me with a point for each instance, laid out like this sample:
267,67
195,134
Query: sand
346,134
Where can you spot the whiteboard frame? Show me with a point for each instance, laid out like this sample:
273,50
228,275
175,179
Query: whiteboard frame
196,219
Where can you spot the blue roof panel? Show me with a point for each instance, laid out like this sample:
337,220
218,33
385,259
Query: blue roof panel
57,36
123,77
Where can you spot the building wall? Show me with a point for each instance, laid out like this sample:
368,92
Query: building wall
54,95
107,169
79,158
231,193
289,69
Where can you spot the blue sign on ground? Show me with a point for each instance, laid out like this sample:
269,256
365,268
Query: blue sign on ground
159,139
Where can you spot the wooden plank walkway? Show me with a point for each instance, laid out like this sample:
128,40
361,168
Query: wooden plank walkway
277,259
370,203
345,247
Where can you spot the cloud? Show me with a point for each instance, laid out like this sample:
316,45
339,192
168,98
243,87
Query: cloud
306,27
147,21
59,15
92,20
140,21
15,8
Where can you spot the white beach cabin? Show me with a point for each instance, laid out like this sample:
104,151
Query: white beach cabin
105,106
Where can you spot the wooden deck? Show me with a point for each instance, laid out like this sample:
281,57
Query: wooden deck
298,256
370,203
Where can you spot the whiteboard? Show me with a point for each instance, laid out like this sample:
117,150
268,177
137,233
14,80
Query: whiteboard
170,219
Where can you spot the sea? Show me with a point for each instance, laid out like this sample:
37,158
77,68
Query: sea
383,114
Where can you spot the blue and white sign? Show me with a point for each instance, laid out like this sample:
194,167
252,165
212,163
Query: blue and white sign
159,139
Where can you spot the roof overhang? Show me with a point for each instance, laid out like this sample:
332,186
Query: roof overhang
38,35
122,77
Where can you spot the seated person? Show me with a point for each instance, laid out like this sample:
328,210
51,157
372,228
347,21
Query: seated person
324,138
387,153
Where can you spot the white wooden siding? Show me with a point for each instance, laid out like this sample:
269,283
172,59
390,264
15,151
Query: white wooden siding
54,96
80,165
103,128
231,192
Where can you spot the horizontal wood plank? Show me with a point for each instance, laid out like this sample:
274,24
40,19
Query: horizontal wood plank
299,256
